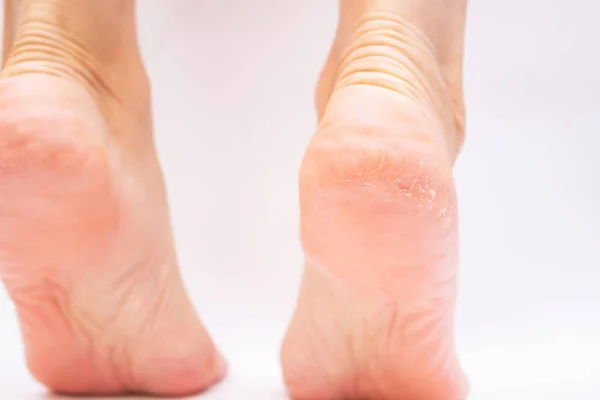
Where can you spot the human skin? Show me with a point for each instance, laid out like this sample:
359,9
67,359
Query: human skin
379,223
85,241
86,250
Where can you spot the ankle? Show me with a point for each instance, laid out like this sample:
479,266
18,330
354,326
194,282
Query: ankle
386,50
443,24
389,45
60,38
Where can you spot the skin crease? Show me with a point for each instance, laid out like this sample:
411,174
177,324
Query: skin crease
86,252
379,223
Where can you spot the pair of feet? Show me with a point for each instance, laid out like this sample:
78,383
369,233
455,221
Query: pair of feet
86,251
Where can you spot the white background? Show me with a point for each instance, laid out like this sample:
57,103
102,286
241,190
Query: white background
233,84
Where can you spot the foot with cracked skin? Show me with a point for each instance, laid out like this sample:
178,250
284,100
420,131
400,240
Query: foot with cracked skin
86,252
374,318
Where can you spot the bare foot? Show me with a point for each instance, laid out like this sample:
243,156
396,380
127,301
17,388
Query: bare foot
374,319
86,251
